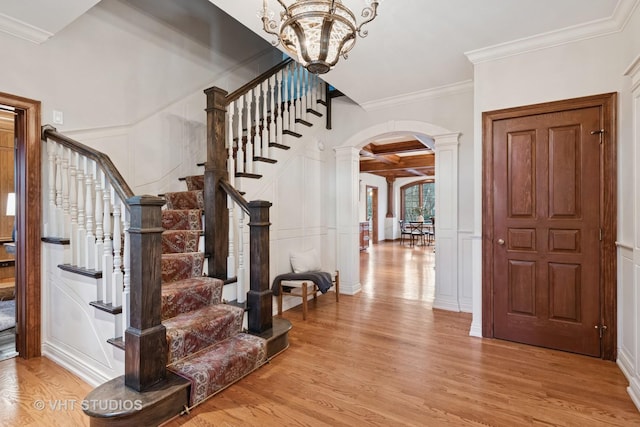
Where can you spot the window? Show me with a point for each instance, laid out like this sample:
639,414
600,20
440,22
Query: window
418,198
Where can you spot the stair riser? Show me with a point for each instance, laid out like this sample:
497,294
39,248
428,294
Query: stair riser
216,368
191,332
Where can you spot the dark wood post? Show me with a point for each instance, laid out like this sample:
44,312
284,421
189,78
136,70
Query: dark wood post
259,298
145,338
216,215
390,181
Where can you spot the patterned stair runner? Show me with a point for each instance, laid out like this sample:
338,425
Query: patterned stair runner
206,345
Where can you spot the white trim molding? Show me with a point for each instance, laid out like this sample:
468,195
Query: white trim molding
436,92
23,30
599,27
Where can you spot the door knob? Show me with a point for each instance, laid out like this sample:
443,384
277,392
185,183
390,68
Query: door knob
500,242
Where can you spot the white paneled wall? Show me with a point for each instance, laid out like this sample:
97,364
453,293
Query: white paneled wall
629,265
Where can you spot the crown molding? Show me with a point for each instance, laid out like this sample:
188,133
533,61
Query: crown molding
436,92
600,27
633,71
23,30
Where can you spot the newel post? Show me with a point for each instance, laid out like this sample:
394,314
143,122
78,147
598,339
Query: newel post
259,297
145,338
216,215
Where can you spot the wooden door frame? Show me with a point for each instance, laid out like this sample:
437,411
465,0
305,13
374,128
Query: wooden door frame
28,222
374,210
608,208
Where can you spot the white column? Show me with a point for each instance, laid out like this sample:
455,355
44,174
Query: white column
447,287
348,253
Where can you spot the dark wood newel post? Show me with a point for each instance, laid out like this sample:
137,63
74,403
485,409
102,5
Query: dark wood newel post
216,215
145,338
259,298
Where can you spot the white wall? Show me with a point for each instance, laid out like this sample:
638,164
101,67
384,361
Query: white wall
569,70
129,84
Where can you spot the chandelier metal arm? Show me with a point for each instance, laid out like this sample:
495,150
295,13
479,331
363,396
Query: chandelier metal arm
284,6
369,14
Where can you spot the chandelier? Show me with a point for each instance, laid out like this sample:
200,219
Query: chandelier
317,32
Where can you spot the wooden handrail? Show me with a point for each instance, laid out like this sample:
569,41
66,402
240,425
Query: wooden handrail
117,181
253,83
234,194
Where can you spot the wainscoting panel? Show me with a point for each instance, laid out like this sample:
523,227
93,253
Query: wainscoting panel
74,334
465,271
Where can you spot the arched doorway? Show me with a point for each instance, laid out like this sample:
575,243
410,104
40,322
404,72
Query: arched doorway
347,183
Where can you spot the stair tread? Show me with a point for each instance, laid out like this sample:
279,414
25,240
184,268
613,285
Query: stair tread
188,333
190,294
219,365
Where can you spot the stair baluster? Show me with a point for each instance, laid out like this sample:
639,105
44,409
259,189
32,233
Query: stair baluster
90,244
51,156
73,201
264,113
65,219
122,294
99,203
107,246
279,106
58,203
248,148
240,286
271,116
81,237
118,279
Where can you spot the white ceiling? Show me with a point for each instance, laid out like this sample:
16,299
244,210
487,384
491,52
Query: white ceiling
413,47
37,20
419,45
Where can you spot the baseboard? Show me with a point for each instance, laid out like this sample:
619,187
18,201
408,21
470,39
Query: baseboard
475,330
89,374
634,392
625,364
446,305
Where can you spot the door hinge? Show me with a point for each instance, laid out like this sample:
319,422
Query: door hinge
599,132
600,234
601,329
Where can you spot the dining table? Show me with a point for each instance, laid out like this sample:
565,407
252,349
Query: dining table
421,231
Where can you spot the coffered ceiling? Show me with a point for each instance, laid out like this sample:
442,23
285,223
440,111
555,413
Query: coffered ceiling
404,156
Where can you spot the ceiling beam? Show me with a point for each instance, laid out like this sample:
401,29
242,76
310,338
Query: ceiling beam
396,147
410,162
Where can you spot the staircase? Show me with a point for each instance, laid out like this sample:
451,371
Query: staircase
182,343
205,341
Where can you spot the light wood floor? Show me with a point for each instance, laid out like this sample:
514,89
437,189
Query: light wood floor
382,357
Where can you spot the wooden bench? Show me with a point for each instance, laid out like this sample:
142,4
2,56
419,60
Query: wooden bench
302,289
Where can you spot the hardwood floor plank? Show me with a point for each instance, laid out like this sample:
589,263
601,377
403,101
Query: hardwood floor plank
383,357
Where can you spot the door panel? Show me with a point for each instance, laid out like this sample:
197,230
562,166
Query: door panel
546,221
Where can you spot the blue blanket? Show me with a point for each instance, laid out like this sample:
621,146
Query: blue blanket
320,278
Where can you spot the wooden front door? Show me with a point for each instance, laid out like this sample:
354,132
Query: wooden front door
547,215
